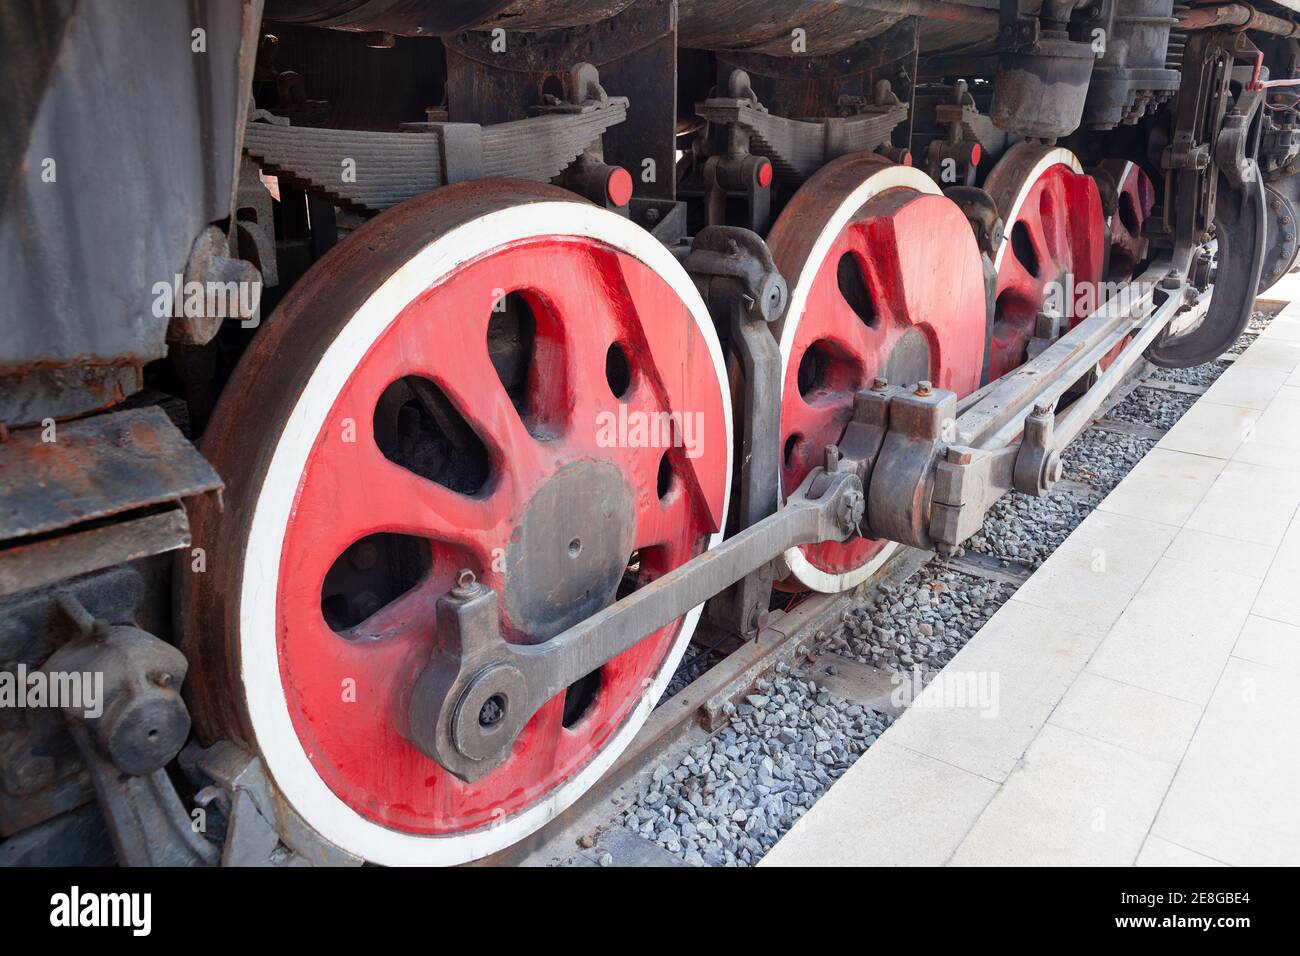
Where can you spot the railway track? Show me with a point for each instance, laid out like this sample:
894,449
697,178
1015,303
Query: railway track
820,650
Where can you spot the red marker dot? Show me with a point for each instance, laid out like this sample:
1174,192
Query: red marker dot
975,154
619,186
765,175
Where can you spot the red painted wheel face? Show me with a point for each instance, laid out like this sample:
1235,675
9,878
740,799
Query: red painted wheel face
1136,198
899,294
602,322
1052,253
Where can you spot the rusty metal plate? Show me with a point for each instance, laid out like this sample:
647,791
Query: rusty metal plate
95,468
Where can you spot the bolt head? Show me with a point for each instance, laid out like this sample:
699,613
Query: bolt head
466,584
851,509
831,455
923,387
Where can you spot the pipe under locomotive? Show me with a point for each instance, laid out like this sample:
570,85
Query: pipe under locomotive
390,387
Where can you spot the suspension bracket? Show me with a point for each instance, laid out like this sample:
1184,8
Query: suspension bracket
735,273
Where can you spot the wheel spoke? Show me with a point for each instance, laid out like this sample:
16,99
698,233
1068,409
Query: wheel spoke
354,492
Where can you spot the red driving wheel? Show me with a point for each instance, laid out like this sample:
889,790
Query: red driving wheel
1053,250
885,281
495,378
1135,199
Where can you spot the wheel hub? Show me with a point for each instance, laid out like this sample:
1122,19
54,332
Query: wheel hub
568,553
909,360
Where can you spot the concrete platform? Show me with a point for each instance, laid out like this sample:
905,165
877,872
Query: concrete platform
1136,701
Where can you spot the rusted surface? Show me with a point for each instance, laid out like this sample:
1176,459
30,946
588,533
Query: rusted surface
768,26
758,26
47,560
56,477
63,391
548,14
413,18
555,48
1238,16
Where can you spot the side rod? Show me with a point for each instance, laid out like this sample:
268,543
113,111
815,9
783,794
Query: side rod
478,691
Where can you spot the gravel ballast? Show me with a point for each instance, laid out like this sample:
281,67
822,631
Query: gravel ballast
1152,406
695,661
1101,459
732,797
919,625
1026,529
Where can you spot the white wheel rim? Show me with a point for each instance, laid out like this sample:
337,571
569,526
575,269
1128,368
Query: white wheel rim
286,760
888,177
1057,156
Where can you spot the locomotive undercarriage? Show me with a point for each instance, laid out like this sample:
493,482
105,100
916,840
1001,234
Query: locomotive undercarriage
420,582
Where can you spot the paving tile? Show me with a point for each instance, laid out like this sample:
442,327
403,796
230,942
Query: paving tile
1098,568
893,807
1285,290
1248,502
1127,716
1271,643
1285,325
1209,429
1270,456
1160,852
1279,423
1271,352
1218,553
1246,387
1178,630
1074,801
983,709
1166,486
1279,596
1235,795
